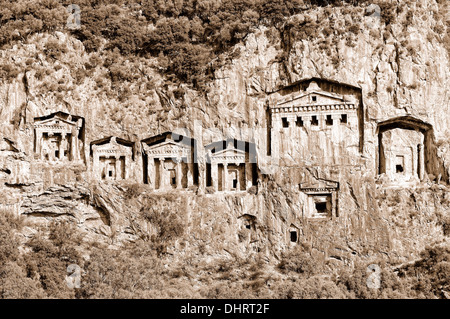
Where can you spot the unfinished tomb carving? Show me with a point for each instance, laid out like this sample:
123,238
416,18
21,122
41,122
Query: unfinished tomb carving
404,145
14,169
231,165
316,122
322,199
112,158
170,161
59,137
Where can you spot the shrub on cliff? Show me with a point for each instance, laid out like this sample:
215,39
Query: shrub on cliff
9,225
167,218
299,261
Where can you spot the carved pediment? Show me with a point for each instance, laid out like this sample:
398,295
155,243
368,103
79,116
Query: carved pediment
55,123
228,155
167,149
320,185
112,149
311,98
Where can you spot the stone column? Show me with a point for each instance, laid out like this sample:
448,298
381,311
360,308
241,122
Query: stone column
307,121
215,175
334,208
322,118
162,175
245,177
61,146
421,168
291,120
128,170
38,142
117,168
190,172
248,175
151,175
96,165
178,172
225,177
352,118
390,165
238,177
275,135
336,120
73,148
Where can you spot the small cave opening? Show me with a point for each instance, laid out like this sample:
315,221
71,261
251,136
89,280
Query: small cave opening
294,236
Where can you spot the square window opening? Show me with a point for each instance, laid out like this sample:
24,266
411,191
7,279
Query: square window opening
399,169
299,122
314,120
321,208
314,98
329,120
344,118
285,122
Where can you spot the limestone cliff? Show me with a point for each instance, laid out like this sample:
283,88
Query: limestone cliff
398,71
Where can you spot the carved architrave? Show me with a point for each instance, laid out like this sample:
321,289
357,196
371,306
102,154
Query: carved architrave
112,149
320,186
167,149
56,125
320,189
229,156
314,100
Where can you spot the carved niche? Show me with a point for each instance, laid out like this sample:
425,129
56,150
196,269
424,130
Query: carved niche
322,200
112,158
169,161
59,138
315,122
231,165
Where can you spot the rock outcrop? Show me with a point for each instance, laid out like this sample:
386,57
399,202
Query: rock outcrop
331,171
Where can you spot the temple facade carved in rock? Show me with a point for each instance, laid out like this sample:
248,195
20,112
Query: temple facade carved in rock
231,165
322,198
312,124
112,158
169,161
59,138
404,148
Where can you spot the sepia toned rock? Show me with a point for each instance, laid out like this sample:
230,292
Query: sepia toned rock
275,154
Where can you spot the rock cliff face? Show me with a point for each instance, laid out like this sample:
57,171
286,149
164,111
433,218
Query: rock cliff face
333,172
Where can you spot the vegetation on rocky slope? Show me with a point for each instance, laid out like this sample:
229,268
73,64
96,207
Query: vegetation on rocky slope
148,269
186,41
191,38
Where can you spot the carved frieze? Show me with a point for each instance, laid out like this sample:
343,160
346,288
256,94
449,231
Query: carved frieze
169,149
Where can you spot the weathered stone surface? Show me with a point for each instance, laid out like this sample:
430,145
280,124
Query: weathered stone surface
369,212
